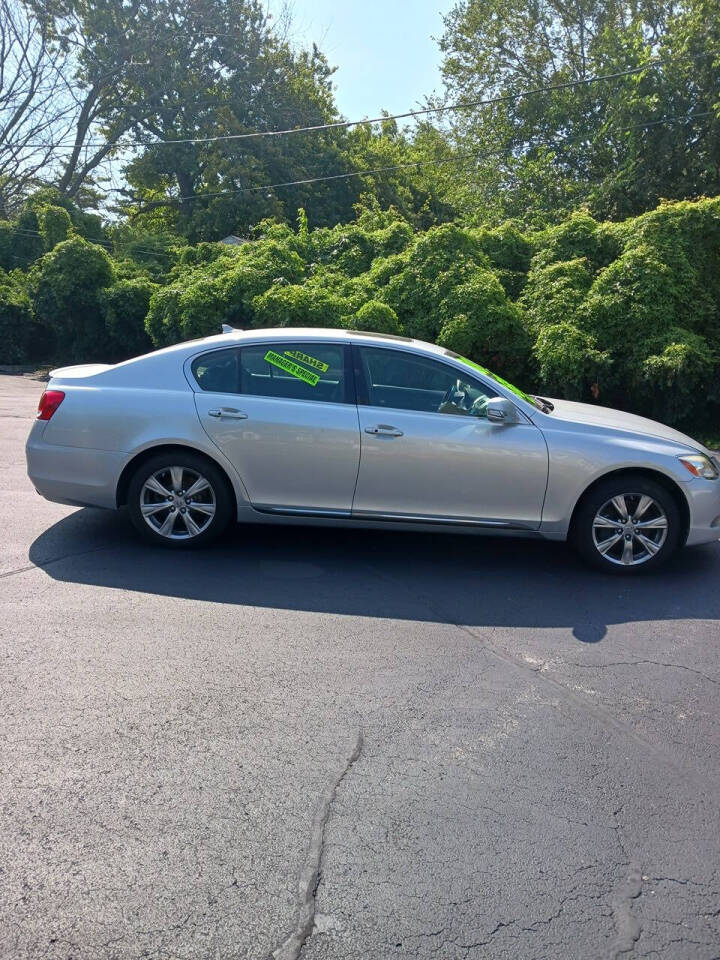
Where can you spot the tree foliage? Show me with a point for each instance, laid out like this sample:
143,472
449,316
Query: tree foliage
619,145
66,288
15,320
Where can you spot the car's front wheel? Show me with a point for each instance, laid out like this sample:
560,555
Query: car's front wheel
179,499
628,524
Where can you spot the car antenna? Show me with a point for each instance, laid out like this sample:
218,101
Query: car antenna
226,328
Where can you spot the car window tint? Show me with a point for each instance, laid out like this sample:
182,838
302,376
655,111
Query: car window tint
294,371
405,381
218,372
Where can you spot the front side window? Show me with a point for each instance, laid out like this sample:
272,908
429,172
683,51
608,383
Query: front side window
405,381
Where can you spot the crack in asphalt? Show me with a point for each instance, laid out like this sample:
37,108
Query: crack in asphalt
589,706
309,881
627,925
638,663
47,563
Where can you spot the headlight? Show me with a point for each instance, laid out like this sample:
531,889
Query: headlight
700,466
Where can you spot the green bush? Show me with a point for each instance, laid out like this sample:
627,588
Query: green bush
479,322
296,306
126,304
7,235
162,323
577,237
634,299
375,317
220,290
569,361
418,280
15,321
27,243
509,251
66,292
677,374
555,293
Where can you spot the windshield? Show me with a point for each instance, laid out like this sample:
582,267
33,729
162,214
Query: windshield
535,401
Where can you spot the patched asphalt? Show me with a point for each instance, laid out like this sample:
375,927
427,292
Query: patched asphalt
348,744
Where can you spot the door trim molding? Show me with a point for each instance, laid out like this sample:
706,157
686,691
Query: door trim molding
391,517
443,521
300,511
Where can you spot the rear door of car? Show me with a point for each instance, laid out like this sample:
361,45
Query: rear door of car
284,413
430,453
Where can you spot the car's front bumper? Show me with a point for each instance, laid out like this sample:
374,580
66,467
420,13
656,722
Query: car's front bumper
73,475
704,500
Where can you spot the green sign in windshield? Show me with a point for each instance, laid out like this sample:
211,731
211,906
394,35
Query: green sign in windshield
516,390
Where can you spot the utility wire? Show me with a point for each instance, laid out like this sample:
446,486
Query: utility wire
26,232
345,124
416,163
386,169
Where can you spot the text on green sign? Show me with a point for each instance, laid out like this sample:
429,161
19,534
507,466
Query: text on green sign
294,369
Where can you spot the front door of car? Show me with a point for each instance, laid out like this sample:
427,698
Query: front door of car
284,414
429,452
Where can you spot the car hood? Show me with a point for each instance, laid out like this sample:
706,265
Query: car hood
605,417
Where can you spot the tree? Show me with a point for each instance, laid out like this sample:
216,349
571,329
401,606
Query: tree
607,143
33,111
217,69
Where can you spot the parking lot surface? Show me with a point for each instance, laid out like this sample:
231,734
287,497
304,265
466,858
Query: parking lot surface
348,744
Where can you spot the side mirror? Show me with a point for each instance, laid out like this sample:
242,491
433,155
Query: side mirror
501,410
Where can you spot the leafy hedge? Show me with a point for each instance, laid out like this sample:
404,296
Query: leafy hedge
624,313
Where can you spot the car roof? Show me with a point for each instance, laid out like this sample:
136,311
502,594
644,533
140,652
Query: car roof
158,359
235,337
307,333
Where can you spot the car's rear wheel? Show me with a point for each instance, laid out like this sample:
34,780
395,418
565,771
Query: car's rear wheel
627,525
179,499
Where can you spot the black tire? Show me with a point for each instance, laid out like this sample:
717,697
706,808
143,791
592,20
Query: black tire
593,541
217,495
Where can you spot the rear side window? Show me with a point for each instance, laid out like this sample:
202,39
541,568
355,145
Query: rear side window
289,371
295,371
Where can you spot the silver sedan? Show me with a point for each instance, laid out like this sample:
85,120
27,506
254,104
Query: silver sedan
300,426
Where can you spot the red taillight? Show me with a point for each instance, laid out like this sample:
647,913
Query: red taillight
49,402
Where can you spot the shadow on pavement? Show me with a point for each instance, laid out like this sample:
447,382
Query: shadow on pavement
471,580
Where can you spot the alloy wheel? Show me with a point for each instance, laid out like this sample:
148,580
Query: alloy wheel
629,529
177,503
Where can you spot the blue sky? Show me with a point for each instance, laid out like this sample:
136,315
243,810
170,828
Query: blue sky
383,49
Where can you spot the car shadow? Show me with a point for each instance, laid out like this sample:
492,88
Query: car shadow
471,580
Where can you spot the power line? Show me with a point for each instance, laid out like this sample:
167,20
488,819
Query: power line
26,232
385,169
345,124
415,163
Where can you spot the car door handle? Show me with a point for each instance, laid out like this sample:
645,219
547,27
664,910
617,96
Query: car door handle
384,430
230,413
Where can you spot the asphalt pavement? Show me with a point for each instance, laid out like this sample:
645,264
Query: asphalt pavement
344,744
